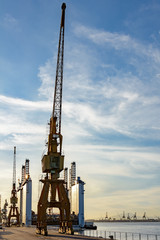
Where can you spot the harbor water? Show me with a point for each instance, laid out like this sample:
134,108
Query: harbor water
125,230
132,227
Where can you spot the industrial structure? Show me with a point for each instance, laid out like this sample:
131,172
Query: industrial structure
76,193
72,178
72,174
129,217
53,193
25,193
77,200
14,213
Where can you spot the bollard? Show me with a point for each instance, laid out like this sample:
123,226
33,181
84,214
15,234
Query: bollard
126,236
96,233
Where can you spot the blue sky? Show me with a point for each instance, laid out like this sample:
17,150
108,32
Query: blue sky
111,102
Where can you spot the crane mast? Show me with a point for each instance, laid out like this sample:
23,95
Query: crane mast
53,193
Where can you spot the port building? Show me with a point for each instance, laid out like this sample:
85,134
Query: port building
76,194
77,201
25,195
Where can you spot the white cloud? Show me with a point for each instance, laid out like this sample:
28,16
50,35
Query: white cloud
107,160
118,41
20,123
47,77
25,104
119,102
84,113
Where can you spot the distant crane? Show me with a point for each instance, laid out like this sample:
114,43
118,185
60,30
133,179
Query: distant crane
123,217
135,216
14,213
128,217
53,161
144,216
106,217
4,212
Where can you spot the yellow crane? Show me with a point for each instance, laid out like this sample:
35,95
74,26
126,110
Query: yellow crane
53,194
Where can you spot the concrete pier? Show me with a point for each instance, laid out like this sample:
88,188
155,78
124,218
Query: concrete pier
20,233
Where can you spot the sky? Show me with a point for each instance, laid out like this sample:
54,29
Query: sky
111,100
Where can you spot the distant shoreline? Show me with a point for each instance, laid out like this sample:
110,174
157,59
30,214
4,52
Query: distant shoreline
127,220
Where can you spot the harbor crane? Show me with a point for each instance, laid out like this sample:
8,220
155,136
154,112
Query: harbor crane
53,194
14,213
135,216
4,212
144,216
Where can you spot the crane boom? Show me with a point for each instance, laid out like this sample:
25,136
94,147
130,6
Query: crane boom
55,121
57,104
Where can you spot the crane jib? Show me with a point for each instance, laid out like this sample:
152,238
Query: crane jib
57,103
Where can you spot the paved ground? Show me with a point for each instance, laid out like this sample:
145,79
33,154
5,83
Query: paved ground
28,233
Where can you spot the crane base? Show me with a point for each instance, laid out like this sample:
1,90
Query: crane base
13,213
58,199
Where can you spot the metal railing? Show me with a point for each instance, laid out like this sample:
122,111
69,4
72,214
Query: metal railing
119,235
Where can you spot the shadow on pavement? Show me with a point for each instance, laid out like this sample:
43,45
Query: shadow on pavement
5,232
70,237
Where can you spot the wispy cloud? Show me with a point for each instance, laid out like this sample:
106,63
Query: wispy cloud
132,162
119,96
10,22
47,78
119,101
104,99
118,41
20,123
25,104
